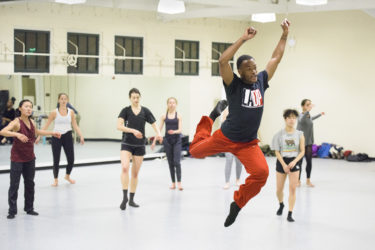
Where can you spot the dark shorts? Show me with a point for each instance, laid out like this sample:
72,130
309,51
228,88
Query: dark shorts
287,160
135,150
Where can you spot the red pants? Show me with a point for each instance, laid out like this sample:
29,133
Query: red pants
248,153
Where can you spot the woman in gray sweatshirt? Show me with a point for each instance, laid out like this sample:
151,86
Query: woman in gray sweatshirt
305,124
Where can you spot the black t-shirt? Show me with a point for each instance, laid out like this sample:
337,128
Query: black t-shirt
136,122
245,108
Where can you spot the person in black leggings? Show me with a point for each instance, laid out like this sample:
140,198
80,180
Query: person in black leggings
305,124
64,119
172,141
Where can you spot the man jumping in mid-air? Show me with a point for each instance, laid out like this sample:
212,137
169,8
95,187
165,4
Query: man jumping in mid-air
238,134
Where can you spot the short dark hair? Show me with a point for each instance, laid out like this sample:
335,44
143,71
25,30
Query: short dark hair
134,90
243,58
304,102
290,112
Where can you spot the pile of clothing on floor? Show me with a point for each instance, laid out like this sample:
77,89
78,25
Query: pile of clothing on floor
328,150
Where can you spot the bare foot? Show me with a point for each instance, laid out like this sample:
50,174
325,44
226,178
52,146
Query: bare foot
226,186
309,184
238,183
173,186
180,186
56,183
71,181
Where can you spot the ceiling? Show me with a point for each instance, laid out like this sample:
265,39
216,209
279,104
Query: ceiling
230,9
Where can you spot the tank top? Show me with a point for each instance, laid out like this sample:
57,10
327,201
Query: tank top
23,152
63,124
171,124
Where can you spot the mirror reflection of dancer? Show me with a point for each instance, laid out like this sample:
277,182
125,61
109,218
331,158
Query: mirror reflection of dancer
8,116
238,134
131,121
172,141
23,130
289,146
64,119
305,124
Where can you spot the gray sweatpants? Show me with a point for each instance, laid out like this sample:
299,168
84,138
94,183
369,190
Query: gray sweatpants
228,166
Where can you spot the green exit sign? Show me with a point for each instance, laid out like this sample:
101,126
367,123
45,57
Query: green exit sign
32,49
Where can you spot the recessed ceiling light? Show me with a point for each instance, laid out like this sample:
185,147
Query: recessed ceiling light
171,6
263,17
71,1
311,2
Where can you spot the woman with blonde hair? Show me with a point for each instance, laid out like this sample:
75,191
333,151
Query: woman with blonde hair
172,141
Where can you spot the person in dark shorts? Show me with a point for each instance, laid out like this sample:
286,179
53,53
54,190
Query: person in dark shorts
289,146
131,121
22,156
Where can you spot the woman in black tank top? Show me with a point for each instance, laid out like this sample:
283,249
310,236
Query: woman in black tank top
172,141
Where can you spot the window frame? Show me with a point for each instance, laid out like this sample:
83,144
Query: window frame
190,60
96,56
130,57
48,48
231,62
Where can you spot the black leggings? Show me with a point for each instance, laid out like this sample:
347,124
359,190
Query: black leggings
173,152
66,141
308,156
27,170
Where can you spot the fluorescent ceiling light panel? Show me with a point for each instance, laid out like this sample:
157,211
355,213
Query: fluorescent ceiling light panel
263,17
71,1
171,6
311,2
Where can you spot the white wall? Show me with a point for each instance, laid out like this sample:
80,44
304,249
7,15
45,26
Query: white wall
330,64
196,94
13,84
